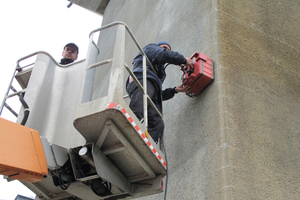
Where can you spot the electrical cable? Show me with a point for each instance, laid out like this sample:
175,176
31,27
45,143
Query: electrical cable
107,186
61,182
166,188
166,66
26,109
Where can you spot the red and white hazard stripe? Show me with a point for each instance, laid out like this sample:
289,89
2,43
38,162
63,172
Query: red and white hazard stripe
143,136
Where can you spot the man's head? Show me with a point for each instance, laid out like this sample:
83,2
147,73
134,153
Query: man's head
164,45
70,51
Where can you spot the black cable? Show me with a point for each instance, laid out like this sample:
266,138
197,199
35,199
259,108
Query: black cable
166,66
61,182
26,114
80,170
26,109
167,168
107,186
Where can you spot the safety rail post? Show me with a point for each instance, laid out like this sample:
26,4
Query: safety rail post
89,77
145,92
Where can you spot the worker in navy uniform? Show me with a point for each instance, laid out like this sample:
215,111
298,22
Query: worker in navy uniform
159,54
69,54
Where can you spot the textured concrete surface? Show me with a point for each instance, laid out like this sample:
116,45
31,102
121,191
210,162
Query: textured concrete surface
260,55
240,138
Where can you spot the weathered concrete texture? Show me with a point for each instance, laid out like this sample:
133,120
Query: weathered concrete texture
240,138
260,54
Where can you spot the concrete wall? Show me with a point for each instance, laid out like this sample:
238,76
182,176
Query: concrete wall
240,138
260,55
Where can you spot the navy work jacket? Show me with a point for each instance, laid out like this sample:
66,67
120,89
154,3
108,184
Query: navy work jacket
158,56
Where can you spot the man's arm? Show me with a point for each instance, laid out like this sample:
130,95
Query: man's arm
170,92
160,56
181,88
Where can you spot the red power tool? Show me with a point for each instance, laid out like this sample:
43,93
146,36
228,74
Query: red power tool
199,76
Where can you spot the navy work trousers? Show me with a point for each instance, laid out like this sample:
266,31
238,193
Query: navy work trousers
155,122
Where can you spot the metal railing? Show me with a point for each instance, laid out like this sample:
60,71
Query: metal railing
19,69
145,58
143,89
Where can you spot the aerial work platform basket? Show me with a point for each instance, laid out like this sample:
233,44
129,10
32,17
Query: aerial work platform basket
118,144
95,148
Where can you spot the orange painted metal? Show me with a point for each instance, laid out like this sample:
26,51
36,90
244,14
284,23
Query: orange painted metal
22,155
